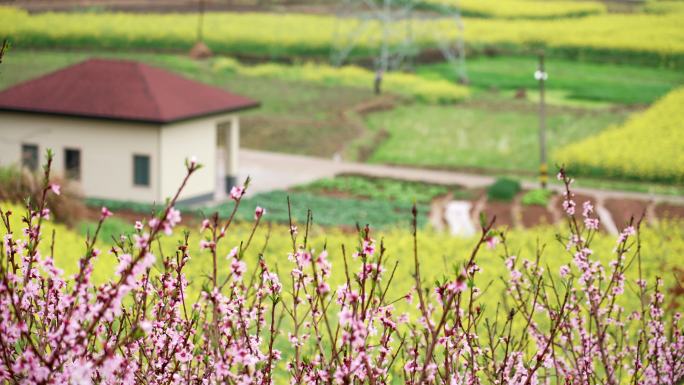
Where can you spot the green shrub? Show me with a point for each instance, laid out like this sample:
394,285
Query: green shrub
504,189
538,197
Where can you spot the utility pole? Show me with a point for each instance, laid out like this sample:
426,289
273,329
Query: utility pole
460,46
384,48
411,59
3,48
200,22
541,76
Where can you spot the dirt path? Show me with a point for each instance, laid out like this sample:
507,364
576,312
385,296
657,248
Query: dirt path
363,146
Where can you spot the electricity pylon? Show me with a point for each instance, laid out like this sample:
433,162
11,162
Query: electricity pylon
389,25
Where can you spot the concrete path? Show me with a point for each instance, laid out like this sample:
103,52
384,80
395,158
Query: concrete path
272,171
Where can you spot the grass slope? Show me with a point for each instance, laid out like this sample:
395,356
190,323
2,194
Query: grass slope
585,81
492,134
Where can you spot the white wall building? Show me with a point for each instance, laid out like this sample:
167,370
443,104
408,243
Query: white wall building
122,130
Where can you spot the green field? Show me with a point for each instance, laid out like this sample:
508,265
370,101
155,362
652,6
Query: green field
328,210
381,189
491,134
582,81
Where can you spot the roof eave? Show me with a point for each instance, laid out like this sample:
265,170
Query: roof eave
132,120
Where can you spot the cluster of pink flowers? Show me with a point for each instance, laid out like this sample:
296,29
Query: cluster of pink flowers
141,328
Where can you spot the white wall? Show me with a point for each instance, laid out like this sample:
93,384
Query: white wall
227,148
232,146
180,141
107,150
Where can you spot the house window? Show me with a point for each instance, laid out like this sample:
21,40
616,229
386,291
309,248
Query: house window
29,156
72,163
141,170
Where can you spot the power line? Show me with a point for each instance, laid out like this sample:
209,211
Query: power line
389,25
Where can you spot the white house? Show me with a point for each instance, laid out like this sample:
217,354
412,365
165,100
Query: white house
122,130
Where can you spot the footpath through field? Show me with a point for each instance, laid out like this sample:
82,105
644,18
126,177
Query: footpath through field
277,171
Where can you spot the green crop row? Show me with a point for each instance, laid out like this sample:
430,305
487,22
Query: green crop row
327,211
379,188
330,211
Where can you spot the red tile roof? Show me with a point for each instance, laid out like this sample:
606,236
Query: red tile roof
120,90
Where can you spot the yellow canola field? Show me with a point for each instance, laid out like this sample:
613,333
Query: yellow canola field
523,8
425,90
650,38
649,146
439,253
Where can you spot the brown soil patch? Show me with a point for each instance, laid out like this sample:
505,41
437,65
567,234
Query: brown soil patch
502,211
200,51
534,215
382,103
669,211
477,194
676,291
622,210
367,141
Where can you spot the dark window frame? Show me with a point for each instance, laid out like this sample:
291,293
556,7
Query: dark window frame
34,163
142,180
70,173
